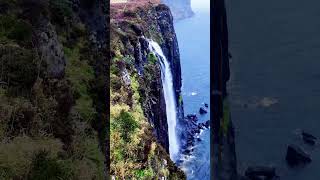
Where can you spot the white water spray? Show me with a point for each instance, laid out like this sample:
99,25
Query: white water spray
169,96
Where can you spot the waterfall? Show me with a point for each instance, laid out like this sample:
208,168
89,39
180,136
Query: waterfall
169,96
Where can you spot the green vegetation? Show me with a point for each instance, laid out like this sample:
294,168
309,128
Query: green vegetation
48,125
45,167
14,29
80,74
180,100
226,117
62,10
152,58
126,124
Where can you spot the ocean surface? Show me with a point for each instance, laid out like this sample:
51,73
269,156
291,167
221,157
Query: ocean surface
194,44
275,81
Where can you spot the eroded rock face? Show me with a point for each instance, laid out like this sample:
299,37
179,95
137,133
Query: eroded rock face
50,50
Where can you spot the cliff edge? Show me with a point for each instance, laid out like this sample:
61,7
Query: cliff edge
139,130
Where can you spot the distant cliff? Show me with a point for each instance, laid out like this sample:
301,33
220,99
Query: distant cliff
139,131
180,8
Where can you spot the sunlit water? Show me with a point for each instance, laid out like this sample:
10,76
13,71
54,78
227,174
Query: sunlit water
194,44
275,85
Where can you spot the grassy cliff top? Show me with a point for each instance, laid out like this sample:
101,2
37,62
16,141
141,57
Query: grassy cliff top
119,7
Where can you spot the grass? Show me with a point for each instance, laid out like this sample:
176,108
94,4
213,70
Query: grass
152,58
80,74
226,117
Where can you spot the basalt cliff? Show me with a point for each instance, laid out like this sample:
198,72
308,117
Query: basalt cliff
224,164
139,144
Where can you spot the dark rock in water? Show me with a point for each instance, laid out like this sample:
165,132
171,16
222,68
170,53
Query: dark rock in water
260,172
197,131
192,117
206,105
187,151
295,156
207,124
203,111
199,139
308,138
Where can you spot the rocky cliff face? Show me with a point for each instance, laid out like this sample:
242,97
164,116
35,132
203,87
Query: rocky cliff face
223,146
52,89
180,8
136,91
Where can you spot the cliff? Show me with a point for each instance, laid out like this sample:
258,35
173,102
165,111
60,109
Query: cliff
139,130
180,8
52,89
223,147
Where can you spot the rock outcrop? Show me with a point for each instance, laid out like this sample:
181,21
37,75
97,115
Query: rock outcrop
296,156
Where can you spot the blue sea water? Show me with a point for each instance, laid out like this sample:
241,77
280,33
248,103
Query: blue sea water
194,44
275,82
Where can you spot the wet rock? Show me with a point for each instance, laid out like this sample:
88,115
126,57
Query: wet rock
187,152
192,117
199,139
207,124
260,172
203,111
296,156
308,138
206,105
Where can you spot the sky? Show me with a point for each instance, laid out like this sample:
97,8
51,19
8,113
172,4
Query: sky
200,5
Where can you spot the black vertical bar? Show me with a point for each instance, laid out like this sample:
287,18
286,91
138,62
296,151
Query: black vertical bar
219,76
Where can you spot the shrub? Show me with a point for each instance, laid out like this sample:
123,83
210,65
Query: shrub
152,58
80,73
126,124
16,156
45,167
15,29
33,9
18,66
60,10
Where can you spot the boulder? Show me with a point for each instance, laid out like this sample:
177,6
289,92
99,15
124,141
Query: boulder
206,105
207,124
308,138
296,156
203,111
192,117
260,172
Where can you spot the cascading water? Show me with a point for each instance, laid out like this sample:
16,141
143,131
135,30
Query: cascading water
169,96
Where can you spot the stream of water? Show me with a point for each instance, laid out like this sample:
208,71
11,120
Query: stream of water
169,96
